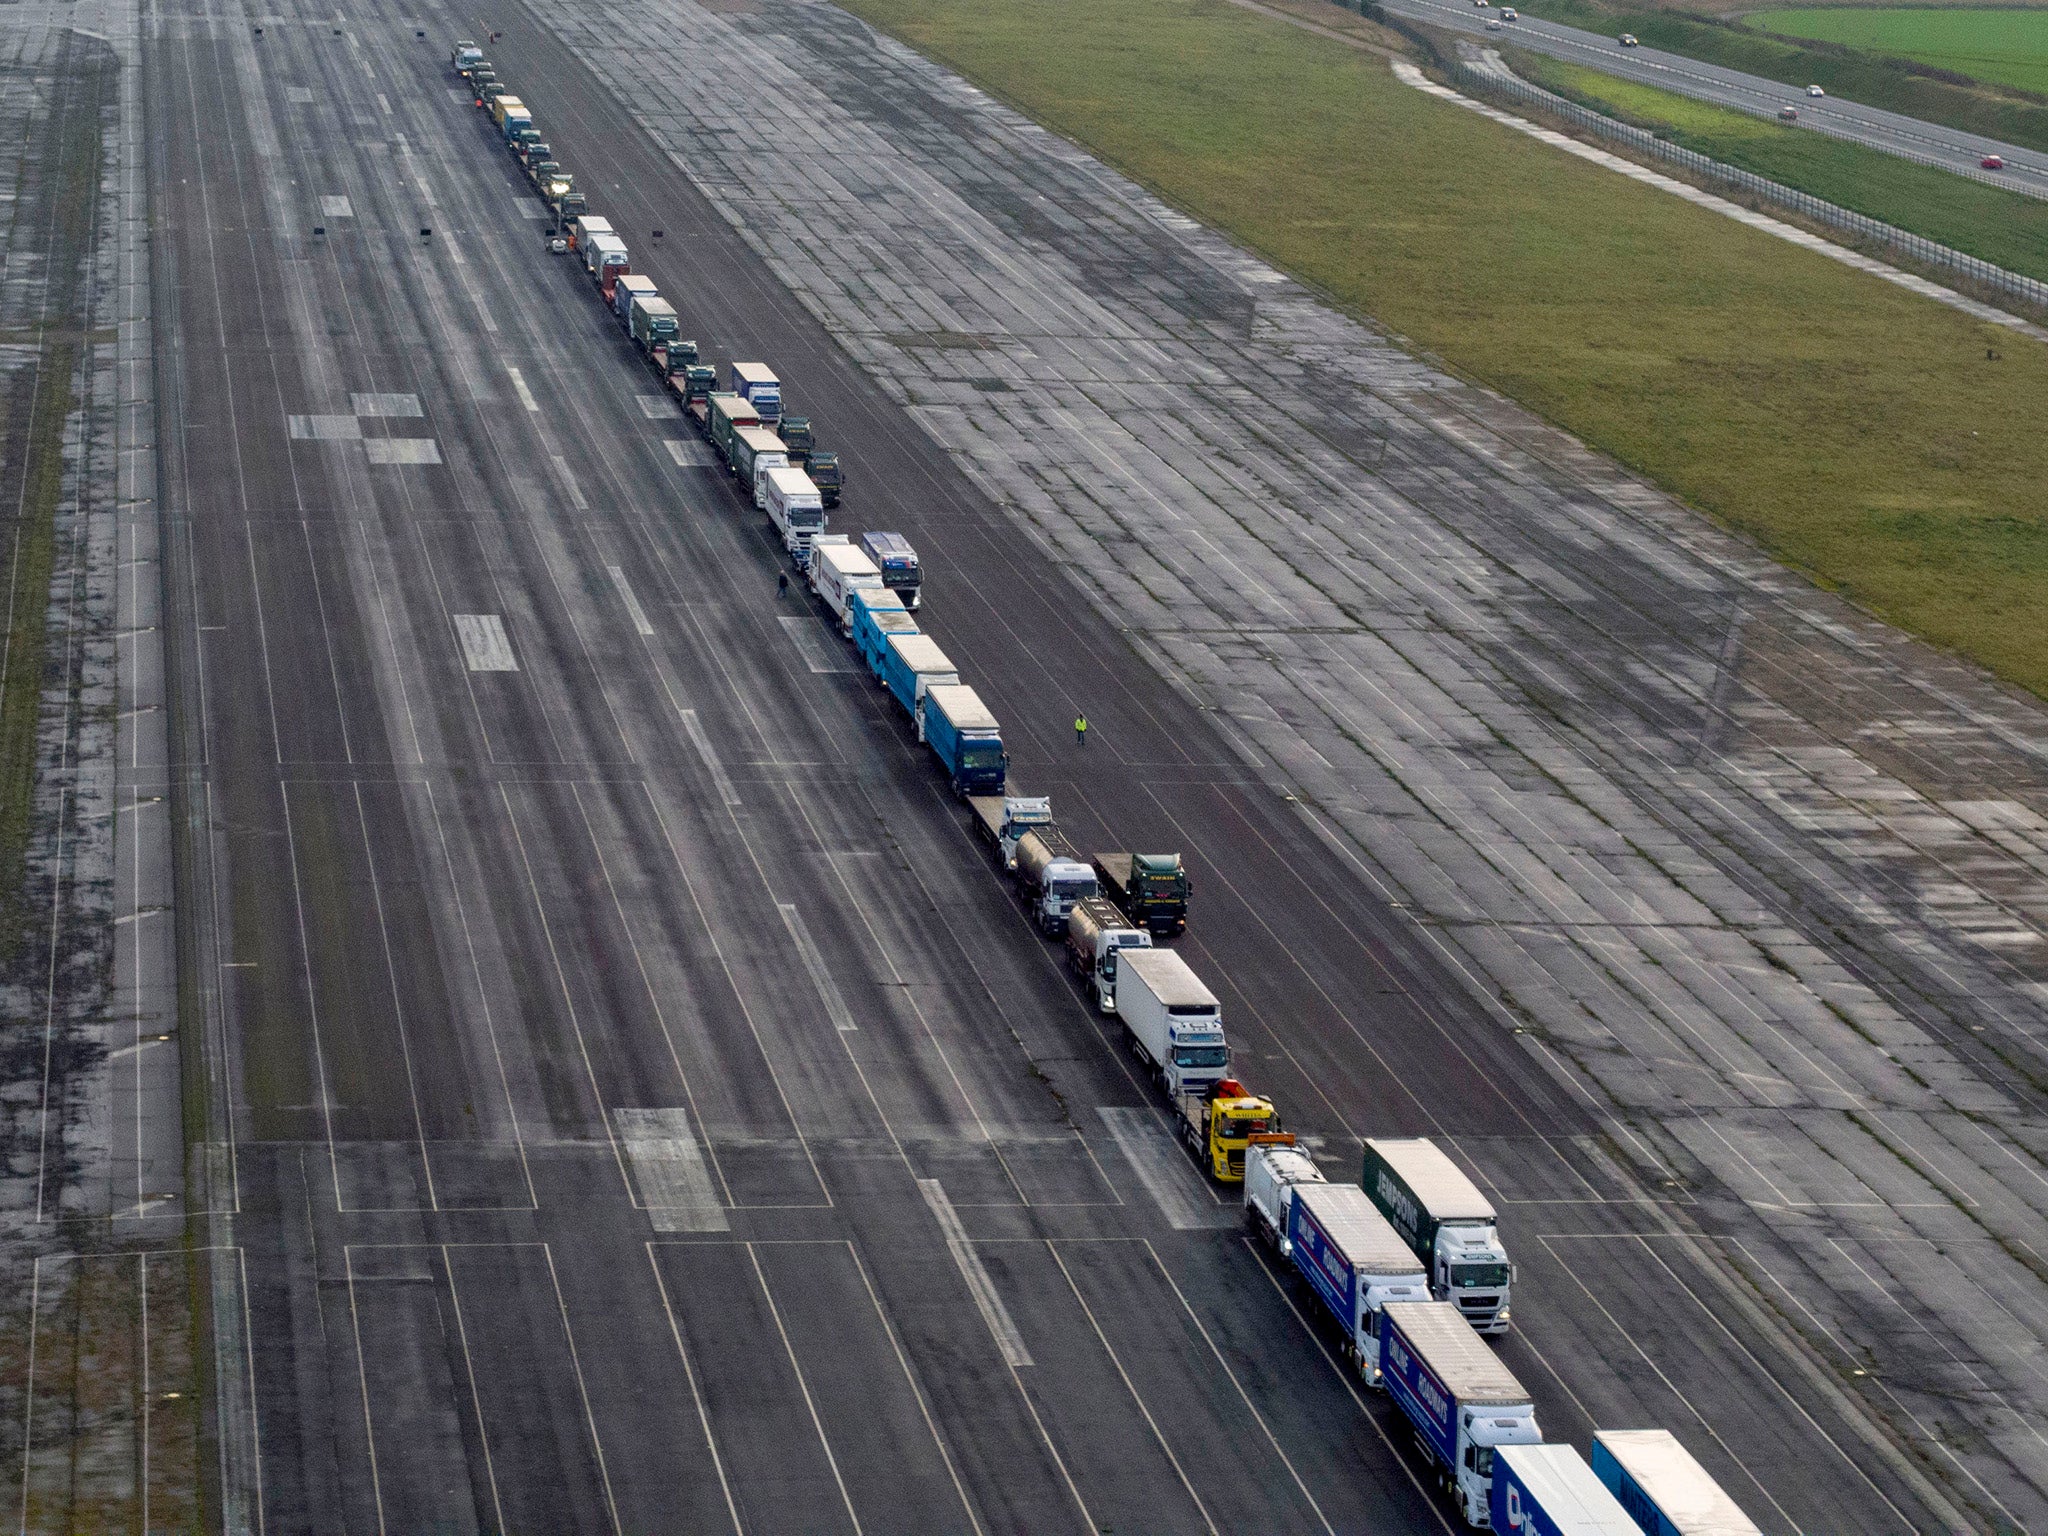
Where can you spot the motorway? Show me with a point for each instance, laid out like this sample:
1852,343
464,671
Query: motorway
2026,170
639,1106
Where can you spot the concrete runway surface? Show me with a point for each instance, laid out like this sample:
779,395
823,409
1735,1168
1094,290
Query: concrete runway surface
642,1108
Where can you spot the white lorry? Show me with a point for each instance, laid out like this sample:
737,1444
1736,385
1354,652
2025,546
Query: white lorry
1172,1021
1462,1401
1274,1167
1096,930
795,508
837,568
1443,1216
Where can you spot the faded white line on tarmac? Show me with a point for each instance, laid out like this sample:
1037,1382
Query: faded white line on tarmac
633,609
695,729
983,1289
519,388
835,1005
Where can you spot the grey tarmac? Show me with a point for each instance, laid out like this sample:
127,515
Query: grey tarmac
557,1184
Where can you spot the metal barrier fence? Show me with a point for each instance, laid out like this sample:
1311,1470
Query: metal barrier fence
1501,82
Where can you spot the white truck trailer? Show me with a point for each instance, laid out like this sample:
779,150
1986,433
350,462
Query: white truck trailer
1274,1169
837,568
1663,1488
795,508
1172,1021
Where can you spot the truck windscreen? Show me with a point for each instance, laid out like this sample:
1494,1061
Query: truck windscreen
806,517
982,755
1479,1277
1202,1056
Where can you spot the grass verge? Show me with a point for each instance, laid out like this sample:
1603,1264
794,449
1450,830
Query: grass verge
1898,85
2003,227
1859,431
2003,45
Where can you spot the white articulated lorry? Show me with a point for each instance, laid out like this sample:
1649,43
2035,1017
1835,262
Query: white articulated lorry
1274,1169
838,568
1096,931
1171,1020
1447,1221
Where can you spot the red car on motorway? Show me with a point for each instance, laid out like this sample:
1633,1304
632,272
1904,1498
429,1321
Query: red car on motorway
1993,162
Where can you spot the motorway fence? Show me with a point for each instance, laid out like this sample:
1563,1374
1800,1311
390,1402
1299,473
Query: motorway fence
1499,81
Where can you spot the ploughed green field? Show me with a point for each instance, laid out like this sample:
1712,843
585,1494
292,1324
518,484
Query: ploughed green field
2008,228
2009,47
1860,431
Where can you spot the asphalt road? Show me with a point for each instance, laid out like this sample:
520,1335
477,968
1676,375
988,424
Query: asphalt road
2026,170
646,1109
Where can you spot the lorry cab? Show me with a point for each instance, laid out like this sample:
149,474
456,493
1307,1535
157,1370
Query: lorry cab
757,382
1220,1123
464,54
1471,1269
897,561
823,468
796,432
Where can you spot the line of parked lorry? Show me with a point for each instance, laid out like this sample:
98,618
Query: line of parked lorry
1406,1265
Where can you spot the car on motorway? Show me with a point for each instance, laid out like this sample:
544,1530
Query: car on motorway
1628,40
1814,90
1789,114
1993,162
1509,13
1493,25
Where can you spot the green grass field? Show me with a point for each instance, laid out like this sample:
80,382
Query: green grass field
2008,228
1992,110
2006,46
1858,430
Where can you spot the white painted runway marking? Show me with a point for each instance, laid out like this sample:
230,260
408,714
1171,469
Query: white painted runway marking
402,450
669,1170
652,406
1163,1169
337,208
384,103
385,405
519,388
299,95
979,1285
485,645
702,743
326,429
690,454
569,482
633,608
809,641
835,1005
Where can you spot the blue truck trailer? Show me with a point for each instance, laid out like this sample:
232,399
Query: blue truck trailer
911,665
873,617
1355,1262
1548,1490
1665,1491
1462,1401
965,738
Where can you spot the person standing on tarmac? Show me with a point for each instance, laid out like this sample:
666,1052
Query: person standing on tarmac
1080,730
781,583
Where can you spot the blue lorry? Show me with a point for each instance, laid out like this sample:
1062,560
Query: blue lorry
1548,1490
1463,1403
1664,1490
911,665
1355,1262
965,738
871,618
